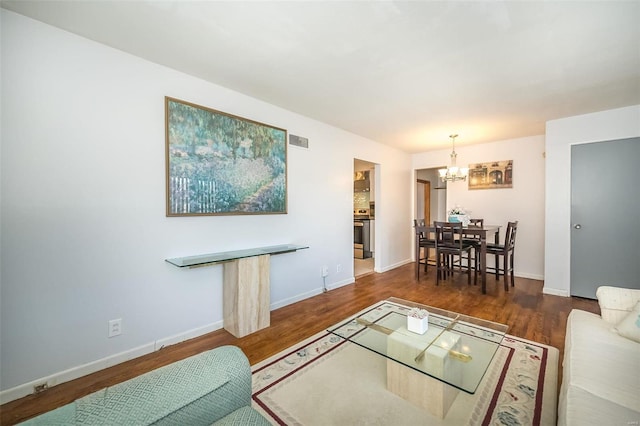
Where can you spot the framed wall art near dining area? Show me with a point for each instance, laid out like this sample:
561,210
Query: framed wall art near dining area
222,164
492,175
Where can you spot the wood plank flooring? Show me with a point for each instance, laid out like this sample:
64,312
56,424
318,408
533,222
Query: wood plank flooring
528,313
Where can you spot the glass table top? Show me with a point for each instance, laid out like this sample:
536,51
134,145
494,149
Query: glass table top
211,258
455,349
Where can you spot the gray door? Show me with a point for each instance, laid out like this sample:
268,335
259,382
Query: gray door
605,216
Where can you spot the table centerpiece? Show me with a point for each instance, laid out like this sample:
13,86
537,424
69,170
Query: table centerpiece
458,214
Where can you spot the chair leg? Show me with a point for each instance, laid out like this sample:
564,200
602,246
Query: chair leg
438,268
445,266
426,258
476,261
505,269
513,277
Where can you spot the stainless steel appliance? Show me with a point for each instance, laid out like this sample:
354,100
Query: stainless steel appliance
361,214
361,234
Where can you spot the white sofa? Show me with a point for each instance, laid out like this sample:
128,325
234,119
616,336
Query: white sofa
601,367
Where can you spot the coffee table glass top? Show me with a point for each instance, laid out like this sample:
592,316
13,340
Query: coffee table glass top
456,349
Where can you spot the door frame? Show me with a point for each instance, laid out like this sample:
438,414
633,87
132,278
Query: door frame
426,199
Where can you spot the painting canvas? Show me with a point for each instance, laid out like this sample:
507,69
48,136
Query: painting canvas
221,164
492,175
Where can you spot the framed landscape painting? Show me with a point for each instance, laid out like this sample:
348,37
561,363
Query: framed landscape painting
221,164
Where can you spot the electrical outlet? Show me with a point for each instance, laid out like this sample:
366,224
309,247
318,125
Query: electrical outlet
40,387
338,268
115,327
325,271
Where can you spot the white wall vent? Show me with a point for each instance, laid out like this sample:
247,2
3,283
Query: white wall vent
298,141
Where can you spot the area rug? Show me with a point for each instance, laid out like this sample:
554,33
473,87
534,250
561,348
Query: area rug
326,380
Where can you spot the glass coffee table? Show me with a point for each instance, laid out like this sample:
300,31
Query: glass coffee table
427,369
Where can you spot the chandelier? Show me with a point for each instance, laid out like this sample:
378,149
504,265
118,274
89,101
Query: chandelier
453,172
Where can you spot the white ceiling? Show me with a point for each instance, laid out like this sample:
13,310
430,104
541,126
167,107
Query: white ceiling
404,73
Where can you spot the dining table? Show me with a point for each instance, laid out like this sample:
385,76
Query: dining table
472,231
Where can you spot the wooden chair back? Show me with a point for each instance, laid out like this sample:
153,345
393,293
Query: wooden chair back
474,238
477,222
448,234
510,236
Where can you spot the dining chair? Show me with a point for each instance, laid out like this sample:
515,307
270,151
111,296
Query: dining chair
450,251
474,240
422,242
507,251
476,222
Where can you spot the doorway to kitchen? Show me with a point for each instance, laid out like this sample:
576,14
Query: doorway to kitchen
431,198
364,223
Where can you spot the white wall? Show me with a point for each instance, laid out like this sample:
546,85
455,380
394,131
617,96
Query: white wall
524,202
609,125
84,232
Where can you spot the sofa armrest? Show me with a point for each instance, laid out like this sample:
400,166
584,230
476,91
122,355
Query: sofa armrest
226,399
616,302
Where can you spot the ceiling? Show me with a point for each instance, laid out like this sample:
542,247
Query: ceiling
403,73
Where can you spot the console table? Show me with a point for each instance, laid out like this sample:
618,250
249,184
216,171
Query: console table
246,289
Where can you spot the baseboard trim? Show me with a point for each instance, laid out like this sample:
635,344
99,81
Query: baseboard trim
73,373
395,265
341,283
530,276
555,292
296,298
189,334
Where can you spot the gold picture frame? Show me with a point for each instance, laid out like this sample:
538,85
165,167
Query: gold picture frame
222,164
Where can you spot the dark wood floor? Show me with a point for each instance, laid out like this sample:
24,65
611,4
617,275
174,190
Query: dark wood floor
528,313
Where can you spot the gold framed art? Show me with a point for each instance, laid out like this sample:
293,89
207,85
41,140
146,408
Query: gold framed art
491,175
222,164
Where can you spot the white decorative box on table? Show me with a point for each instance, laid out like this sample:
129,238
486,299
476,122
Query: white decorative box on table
464,218
458,214
418,320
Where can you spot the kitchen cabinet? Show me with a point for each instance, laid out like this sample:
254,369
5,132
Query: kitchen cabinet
361,182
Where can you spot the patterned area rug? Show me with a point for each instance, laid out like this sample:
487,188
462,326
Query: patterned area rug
326,380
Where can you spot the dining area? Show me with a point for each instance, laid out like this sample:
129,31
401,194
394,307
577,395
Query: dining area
466,245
